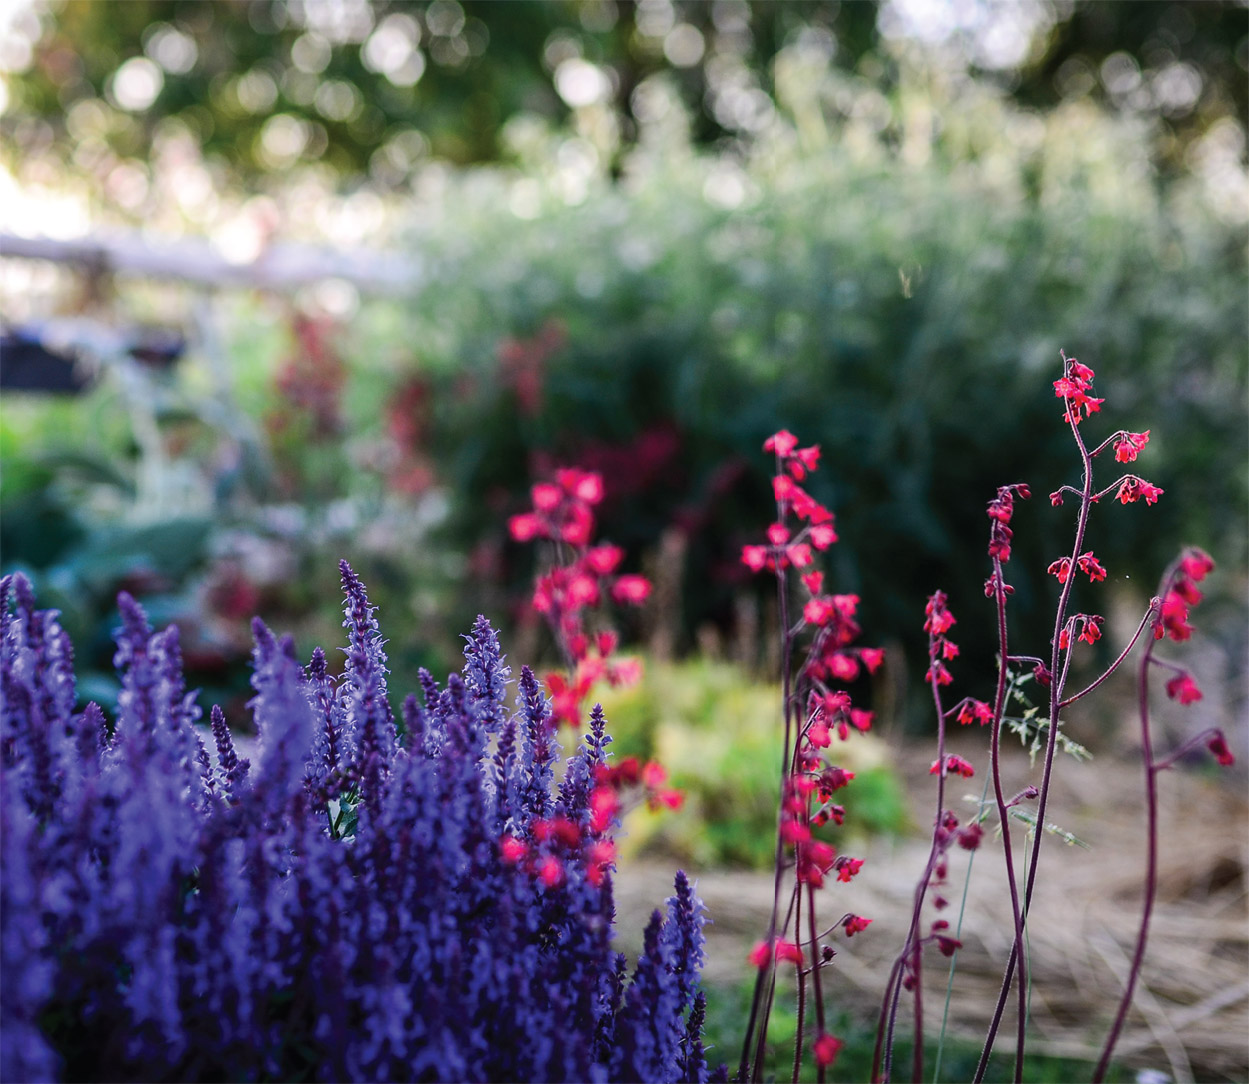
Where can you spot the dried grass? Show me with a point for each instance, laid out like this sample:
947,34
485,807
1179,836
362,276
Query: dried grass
1190,1016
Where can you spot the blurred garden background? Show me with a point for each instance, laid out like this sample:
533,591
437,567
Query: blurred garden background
283,282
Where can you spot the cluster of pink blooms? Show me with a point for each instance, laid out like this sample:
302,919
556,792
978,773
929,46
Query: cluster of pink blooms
941,649
563,513
804,526
1073,388
1172,621
556,841
568,595
1086,562
628,774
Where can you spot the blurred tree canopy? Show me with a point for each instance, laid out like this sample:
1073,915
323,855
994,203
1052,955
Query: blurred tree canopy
370,88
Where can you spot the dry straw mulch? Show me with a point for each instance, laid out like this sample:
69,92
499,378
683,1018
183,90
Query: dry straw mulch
1190,1017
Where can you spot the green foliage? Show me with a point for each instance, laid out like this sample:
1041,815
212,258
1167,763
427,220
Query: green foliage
446,78
718,735
728,1008
905,312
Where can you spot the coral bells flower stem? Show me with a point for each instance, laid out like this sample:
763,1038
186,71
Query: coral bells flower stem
1076,381
939,622
768,973
813,711
816,984
1149,614
995,746
1177,576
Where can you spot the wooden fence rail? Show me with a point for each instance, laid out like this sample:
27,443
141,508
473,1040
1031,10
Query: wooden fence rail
282,267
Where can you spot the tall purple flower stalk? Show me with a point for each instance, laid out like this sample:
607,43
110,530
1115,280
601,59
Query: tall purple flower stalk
356,905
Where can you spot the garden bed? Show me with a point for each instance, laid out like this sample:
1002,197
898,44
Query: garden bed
1191,1011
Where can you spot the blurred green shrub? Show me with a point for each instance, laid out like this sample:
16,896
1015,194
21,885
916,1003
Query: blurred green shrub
718,734
902,305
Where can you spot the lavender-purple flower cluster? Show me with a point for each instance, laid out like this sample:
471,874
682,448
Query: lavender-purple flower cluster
343,909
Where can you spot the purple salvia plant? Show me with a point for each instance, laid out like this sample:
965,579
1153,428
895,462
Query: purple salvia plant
371,724
170,914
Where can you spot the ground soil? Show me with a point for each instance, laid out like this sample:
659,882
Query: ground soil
1190,1019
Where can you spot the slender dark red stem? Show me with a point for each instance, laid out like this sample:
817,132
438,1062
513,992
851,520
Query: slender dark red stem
1151,866
995,742
893,989
1057,679
815,982
1114,665
917,1053
761,1002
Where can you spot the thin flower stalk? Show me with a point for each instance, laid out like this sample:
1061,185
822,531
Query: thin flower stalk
1177,584
1073,388
815,711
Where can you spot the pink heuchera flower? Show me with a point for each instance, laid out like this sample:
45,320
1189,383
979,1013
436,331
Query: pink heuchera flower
795,832
1218,746
800,555
948,945
1196,565
624,673
818,611
759,954
938,618
1132,489
862,720
974,711
969,837
787,950
834,779
872,657
673,799
512,849
822,536
1091,566
1184,689
602,855
603,808
1060,568
576,530
803,461
604,560
1173,618
1092,631
631,589
826,1048
847,868
546,496
782,443
1129,444
525,527
778,534
955,765
582,591
755,557
584,485
843,667
855,924
785,488
654,774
